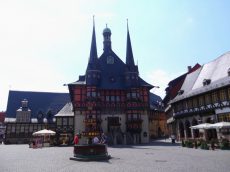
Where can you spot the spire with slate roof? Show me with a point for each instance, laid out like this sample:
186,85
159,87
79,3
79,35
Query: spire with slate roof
131,74
92,71
93,51
129,52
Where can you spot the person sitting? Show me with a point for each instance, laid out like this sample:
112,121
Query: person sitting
95,140
103,139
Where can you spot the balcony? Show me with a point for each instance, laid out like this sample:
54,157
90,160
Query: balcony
92,121
90,133
134,120
133,130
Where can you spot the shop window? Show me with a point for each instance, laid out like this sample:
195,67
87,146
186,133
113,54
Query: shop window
88,94
228,93
93,94
22,129
117,98
207,99
65,121
112,98
223,96
194,102
70,121
201,101
59,121
13,129
214,97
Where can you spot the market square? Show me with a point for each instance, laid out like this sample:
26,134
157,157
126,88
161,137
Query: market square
156,156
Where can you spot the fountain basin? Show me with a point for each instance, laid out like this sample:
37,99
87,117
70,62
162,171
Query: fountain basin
90,152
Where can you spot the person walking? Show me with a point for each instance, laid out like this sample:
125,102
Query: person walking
173,138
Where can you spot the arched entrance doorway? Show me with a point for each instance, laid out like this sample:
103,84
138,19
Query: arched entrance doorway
210,133
195,131
188,129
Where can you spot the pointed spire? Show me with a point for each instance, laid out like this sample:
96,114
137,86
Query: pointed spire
129,52
93,49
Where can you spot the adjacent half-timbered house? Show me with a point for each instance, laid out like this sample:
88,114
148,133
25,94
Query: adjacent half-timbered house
203,98
29,111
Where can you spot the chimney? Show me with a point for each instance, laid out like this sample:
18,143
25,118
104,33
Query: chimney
189,68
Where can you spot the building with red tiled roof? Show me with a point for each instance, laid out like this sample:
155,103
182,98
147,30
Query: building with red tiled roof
204,97
171,92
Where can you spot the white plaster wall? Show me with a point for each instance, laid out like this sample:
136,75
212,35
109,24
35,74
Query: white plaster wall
104,123
145,128
79,125
223,110
123,125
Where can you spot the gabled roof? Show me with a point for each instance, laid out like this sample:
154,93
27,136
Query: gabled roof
188,83
144,83
37,101
175,85
216,71
109,71
67,110
112,75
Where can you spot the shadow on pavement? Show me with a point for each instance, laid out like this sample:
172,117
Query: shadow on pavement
152,143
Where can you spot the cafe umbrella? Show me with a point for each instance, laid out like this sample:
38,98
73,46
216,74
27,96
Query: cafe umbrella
220,125
201,126
45,134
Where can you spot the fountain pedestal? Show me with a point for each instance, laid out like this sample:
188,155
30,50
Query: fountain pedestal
90,152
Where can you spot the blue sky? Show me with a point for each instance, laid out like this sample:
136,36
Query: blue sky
45,44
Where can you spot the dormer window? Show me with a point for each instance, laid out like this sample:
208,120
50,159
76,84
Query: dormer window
110,60
206,82
229,72
180,92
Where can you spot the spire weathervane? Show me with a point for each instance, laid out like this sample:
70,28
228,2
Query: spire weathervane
93,21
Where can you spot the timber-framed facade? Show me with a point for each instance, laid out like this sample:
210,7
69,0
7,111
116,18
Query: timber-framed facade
203,98
111,97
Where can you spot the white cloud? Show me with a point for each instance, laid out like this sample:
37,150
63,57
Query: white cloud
31,75
161,78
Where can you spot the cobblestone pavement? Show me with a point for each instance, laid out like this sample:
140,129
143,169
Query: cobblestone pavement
154,157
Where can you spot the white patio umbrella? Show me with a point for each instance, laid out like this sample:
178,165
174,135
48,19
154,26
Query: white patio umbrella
201,126
44,132
220,125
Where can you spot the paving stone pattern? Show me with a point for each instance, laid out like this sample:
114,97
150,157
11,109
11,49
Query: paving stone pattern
155,157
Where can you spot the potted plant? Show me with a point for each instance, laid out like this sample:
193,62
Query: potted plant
204,145
224,145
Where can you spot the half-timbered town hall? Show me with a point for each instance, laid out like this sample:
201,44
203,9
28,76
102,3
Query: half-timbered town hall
111,97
